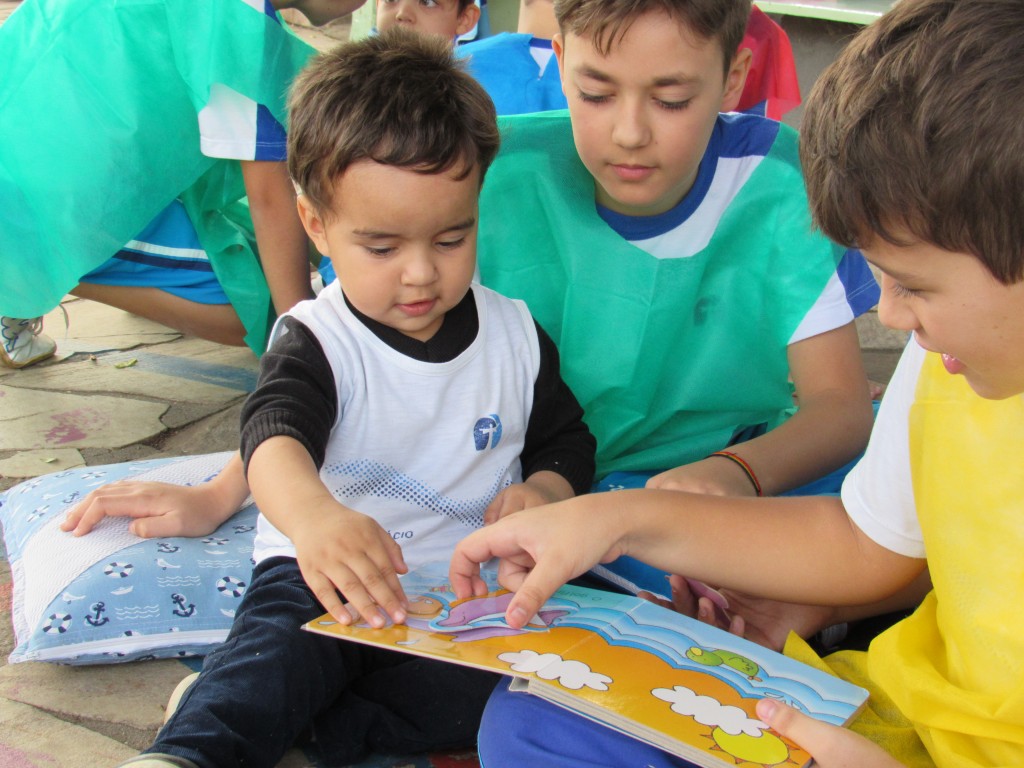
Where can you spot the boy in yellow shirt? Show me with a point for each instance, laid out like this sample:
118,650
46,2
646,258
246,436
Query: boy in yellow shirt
913,151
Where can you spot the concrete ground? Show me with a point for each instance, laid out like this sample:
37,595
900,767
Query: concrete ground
125,388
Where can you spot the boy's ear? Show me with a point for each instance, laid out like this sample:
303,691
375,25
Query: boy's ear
467,19
735,79
312,223
558,46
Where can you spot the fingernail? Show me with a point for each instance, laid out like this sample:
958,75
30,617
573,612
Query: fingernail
766,709
517,617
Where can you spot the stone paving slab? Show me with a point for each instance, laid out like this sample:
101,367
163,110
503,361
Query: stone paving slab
33,419
33,463
190,371
129,695
85,327
31,738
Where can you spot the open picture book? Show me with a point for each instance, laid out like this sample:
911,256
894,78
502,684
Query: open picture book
656,675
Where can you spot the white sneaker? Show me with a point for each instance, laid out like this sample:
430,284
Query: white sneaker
177,693
23,342
157,760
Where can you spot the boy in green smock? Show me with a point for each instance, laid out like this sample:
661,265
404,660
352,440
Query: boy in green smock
668,249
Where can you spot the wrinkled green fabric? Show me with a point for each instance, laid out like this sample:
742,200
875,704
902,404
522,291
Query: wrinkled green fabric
667,357
98,114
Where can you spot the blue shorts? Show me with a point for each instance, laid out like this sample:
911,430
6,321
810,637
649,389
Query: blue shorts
519,730
166,255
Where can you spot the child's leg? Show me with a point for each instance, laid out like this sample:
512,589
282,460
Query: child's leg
165,275
416,705
523,730
262,688
214,322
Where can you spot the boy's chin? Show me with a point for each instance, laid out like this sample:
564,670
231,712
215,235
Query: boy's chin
992,390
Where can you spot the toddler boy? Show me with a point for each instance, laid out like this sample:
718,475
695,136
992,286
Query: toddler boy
392,414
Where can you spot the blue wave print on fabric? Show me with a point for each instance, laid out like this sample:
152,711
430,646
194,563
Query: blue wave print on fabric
383,481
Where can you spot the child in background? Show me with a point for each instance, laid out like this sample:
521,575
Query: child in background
127,150
403,404
668,249
939,486
520,72
447,18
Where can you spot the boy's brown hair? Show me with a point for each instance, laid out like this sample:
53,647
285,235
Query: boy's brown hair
397,98
605,21
916,132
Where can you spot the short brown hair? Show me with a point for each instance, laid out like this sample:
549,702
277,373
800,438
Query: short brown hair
397,98
918,129
606,21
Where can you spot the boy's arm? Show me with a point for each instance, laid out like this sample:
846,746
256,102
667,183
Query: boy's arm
283,245
803,550
558,452
286,425
830,428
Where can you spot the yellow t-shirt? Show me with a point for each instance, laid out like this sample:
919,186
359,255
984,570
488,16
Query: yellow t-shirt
947,683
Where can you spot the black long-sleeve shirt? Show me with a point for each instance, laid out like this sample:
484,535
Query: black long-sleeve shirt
296,395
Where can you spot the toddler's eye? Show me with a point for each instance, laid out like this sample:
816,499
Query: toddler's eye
673,105
450,245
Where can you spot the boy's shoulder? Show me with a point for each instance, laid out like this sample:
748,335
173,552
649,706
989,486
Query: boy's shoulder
500,43
741,134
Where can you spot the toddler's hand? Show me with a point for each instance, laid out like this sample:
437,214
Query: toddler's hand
340,550
159,509
758,619
540,488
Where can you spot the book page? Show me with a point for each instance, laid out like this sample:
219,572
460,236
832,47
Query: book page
654,674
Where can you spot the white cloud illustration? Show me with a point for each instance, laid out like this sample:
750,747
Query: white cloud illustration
711,712
550,666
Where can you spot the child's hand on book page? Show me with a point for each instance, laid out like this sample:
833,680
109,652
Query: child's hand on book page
761,620
540,550
341,550
830,745
539,488
697,600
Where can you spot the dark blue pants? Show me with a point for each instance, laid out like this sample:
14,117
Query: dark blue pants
271,683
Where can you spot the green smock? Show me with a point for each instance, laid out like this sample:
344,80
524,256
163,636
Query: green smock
98,113
668,357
